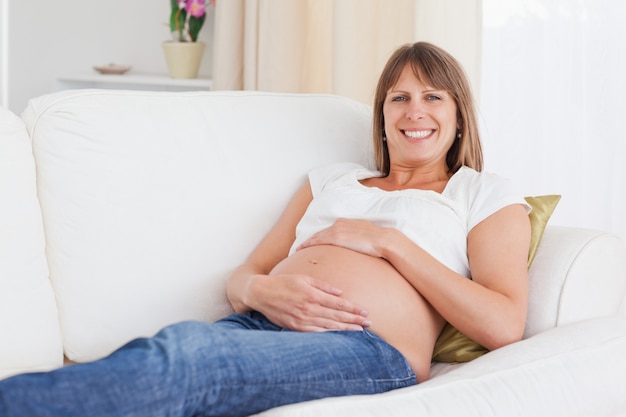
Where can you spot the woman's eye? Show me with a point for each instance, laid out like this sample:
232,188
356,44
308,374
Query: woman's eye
399,98
433,97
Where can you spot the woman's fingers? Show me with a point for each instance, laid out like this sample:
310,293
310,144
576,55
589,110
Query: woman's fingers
299,302
358,235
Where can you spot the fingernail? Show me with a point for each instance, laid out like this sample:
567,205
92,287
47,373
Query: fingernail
366,323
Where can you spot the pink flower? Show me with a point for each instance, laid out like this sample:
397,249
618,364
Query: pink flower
195,8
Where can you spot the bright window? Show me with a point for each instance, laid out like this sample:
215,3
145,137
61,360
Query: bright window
552,103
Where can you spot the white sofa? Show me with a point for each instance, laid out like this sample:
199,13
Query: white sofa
121,212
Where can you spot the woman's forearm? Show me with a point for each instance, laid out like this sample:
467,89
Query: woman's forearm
483,315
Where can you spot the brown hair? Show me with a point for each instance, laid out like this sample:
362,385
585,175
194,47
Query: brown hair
438,69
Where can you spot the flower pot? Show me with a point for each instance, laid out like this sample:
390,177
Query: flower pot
183,58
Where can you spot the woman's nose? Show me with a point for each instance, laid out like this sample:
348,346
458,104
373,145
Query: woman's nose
414,112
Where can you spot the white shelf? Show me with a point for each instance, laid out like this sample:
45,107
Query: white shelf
130,81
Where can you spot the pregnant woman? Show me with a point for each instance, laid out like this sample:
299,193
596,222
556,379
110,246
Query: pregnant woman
349,291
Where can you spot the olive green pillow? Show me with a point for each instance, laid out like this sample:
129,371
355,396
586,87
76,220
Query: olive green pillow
454,346
542,208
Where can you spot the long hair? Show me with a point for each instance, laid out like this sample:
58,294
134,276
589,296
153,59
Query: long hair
438,69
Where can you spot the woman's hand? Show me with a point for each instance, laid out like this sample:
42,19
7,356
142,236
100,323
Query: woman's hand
303,303
296,302
358,235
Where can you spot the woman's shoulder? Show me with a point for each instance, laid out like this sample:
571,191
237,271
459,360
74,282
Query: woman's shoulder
467,172
468,179
327,174
482,193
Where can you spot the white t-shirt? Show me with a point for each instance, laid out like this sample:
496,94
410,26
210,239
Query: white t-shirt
439,223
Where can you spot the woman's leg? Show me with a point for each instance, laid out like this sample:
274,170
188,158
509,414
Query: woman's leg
238,366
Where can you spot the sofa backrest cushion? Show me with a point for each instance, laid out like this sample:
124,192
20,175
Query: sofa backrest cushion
151,199
30,337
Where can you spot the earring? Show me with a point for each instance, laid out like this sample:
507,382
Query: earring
458,134
384,136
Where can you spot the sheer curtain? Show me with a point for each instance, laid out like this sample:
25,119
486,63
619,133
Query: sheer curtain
552,104
333,46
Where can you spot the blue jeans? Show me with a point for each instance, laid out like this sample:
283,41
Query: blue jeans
240,365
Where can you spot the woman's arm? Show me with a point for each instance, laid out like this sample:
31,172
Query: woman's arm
490,308
297,302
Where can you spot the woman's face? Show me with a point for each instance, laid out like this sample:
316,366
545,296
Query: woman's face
420,123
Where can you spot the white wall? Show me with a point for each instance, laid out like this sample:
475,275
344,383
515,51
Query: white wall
4,20
51,38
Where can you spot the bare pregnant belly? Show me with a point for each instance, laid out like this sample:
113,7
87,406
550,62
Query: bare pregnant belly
399,314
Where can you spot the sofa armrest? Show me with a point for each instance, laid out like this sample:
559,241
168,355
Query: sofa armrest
577,274
575,370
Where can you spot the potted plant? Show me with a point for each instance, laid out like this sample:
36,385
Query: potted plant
184,53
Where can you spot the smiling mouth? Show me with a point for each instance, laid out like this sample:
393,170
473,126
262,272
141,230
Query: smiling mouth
418,134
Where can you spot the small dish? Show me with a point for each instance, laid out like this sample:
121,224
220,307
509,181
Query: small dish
112,69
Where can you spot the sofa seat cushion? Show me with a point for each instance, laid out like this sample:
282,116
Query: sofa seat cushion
575,370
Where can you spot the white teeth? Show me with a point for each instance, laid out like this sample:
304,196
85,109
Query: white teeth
418,134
